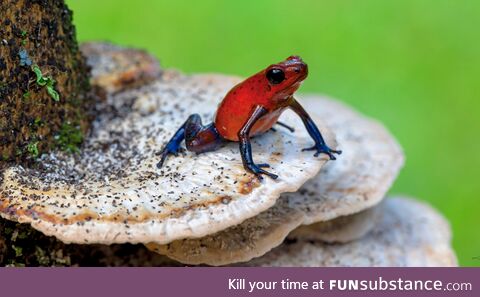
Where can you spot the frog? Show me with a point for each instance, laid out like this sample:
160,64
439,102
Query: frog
249,109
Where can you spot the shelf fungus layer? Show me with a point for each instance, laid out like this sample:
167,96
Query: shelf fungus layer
112,191
357,181
407,233
115,68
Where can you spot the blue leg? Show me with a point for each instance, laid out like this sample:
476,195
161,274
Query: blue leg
173,145
246,147
320,146
198,138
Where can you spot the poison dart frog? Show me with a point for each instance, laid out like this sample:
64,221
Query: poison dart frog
251,108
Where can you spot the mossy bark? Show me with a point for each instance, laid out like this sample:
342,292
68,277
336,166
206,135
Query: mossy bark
21,245
44,79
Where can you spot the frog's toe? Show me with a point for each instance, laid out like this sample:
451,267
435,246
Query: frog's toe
258,171
162,160
323,149
168,150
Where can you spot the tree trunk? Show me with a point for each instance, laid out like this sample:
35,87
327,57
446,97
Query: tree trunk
45,99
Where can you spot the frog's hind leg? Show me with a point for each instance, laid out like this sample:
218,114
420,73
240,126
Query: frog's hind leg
198,138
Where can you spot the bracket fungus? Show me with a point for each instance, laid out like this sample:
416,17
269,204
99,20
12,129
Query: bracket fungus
408,233
112,192
115,68
339,230
357,181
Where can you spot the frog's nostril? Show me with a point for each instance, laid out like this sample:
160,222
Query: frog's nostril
297,70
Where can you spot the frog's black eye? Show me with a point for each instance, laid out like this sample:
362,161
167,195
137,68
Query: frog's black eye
275,76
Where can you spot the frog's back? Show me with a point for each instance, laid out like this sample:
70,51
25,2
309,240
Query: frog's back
235,109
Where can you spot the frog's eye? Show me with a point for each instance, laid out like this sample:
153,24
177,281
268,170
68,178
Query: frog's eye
275,76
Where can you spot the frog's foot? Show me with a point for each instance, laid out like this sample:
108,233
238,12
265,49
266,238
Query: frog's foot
169,149
323,149
258,171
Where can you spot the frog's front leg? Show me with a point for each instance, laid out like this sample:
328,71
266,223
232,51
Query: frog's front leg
198,138
246,147
320,145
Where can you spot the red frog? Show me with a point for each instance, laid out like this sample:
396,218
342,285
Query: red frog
251,108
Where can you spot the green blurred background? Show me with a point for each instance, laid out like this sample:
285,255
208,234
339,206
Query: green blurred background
412,64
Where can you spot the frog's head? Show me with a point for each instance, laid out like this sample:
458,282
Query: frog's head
285,77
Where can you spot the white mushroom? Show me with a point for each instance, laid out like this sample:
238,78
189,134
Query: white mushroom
356,181
114,68
408,233
253,238
339,230
257,236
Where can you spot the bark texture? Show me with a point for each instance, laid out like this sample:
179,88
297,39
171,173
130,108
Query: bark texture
21,245
45,99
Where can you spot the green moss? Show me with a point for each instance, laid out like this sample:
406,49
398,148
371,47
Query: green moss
23,235
46,81
15,264
69,138
37,122
32,149
18,250
24,37
7,231
54,94
42,258
5,156
24,246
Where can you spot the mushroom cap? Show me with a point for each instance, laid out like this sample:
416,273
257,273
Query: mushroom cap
250,239
339,230
112,192
257,236
115,68
356,181
408,233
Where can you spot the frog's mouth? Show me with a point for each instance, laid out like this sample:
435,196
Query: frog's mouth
290,90
304,74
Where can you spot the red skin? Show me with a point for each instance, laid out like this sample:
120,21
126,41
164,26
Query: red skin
236,107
